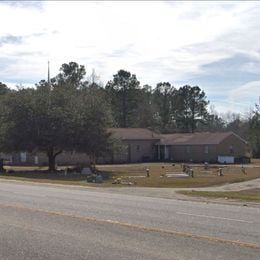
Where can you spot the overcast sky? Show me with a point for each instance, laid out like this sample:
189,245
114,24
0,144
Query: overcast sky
215,45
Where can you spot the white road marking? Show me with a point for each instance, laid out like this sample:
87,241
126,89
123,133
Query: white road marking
206,216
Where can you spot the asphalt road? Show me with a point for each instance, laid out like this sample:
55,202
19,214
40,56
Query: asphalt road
40,221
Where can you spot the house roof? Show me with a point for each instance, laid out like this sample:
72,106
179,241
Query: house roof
134,134
203,138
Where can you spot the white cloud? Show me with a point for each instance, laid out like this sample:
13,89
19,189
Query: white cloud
241,99
246,93
252,66
158,41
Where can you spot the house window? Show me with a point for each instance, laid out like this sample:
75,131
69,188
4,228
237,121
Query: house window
188,149
206,149
231,149
138,148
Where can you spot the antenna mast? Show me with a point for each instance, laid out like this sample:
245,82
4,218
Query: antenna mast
49,73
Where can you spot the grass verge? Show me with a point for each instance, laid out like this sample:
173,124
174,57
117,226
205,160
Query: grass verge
45,177
244,195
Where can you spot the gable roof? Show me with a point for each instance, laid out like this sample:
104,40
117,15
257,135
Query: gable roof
134,134
204,138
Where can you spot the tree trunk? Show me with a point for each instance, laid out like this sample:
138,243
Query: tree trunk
193,123
124,109
2,165
51,159
93,162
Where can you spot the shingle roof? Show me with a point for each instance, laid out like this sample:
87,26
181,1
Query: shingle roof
203,138
195,138
134,134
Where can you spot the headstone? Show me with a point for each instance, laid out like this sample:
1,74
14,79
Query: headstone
191,173
86,171
206,166
176,175
147,172
243,169
99,178
220,172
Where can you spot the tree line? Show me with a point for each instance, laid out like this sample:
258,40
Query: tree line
69,112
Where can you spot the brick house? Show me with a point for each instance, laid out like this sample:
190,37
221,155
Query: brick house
203,147
141,145
138,144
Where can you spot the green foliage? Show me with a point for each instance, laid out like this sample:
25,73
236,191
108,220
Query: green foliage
69,113
147,115
165,101
36,120
92,116
123,93
3,89
191,108
66,115
164,108
71,75
238,125
254,128
212,123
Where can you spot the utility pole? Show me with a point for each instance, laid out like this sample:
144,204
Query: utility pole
49,85
49,73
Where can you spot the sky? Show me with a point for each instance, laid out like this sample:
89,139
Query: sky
211,44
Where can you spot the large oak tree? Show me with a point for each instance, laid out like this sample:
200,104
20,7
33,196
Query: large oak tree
54,117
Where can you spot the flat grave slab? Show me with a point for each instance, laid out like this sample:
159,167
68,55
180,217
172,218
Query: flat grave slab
177,175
